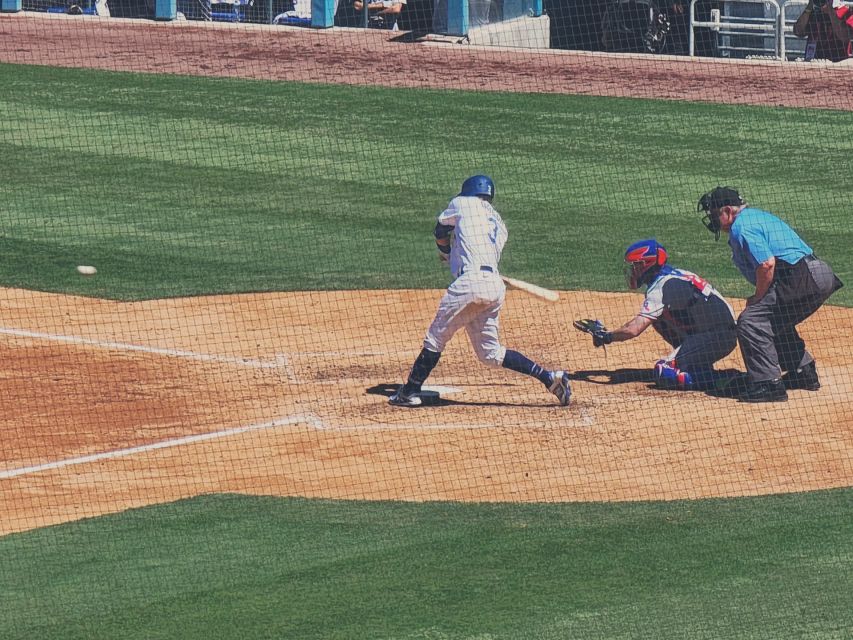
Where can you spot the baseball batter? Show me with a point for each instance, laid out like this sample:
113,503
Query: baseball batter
685,310
470,236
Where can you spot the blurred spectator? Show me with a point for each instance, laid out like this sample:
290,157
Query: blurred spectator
634,26
829,30
382,14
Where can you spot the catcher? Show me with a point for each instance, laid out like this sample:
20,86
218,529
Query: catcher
684,309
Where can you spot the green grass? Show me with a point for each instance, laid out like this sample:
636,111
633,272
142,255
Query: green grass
246,567
180,186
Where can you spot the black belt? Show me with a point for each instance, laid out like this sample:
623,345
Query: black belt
784,265
483,267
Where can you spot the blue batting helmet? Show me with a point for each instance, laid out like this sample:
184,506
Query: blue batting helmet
478,186
643,260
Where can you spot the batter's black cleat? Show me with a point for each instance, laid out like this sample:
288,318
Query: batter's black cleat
767,391
803,378
400,399
560,386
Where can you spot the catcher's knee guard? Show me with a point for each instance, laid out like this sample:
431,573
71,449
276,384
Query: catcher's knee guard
668,376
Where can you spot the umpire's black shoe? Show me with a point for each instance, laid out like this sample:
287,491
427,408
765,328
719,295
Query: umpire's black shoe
768,391
804,378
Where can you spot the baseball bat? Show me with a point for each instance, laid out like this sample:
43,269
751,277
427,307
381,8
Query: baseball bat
532,289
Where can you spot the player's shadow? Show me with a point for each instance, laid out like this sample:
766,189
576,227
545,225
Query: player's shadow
615,376
730,382
387,389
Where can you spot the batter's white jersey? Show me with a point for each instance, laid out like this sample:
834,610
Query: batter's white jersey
479,235
476,296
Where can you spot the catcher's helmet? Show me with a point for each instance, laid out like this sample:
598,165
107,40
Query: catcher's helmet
713,200
478,186
643,260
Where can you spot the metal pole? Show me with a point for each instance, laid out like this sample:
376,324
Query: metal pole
691,36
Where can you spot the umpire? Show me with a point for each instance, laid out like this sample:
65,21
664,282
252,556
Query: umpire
790,285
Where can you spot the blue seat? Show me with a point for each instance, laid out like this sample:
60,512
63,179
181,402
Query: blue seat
291,20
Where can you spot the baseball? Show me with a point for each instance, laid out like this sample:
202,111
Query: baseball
86,270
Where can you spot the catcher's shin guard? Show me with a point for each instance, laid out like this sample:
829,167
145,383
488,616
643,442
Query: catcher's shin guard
668,376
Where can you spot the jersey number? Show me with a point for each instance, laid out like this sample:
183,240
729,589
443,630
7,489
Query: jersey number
493,229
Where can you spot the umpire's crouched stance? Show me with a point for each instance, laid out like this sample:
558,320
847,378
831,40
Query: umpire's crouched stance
790,285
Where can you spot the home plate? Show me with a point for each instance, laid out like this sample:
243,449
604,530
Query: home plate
441,390
431,395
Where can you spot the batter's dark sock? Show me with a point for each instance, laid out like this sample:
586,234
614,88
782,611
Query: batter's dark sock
515,361
424,364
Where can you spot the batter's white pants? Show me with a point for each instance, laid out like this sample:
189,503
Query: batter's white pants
474,301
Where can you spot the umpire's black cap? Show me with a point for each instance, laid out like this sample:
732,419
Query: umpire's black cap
719,197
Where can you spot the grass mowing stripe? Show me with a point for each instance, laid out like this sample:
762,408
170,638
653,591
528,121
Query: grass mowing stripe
307,189
233,566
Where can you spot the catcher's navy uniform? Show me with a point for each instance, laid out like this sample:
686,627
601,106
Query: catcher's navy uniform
693,317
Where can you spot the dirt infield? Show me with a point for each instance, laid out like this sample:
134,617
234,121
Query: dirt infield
307,396
123,405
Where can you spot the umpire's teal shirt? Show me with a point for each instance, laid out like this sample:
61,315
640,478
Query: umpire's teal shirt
757,235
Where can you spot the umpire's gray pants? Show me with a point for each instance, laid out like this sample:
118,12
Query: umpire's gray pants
767,330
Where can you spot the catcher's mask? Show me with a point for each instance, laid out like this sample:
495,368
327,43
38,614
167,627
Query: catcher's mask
643,261
480,185
711,203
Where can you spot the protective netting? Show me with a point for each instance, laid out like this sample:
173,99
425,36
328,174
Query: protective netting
260,201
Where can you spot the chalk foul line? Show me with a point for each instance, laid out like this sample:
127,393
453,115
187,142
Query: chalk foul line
312,421
307,419
123,346
281,361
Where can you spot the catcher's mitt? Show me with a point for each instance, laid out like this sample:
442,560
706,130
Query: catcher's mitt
595,328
